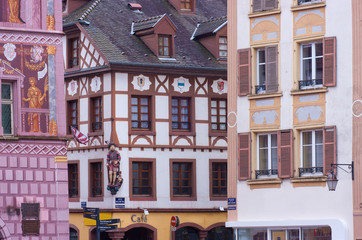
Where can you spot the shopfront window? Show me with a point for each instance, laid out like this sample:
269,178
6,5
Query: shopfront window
187,233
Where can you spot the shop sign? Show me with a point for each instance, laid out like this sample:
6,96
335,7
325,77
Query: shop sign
135,218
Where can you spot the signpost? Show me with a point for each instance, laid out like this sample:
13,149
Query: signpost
102,225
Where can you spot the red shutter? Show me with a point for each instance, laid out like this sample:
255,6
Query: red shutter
329,61
270,4
244,75
271,58
244,156
329,148
257,5
285,153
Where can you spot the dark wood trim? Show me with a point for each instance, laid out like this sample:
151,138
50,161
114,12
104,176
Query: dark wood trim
153,177
212,197
90,197
193,196
75,198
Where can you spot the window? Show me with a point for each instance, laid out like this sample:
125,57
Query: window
73,180
218,114
141,112
164,46
96,179
186,5
142,179
30,223
7,105
223,47
311,65
302,2
267,70
311,152
218,179
267,155
183,185
73,53
181,118
73,234
96,104
264,5
72,115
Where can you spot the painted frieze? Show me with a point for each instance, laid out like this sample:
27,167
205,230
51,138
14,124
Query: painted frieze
265,113
309,109
309,22
265,29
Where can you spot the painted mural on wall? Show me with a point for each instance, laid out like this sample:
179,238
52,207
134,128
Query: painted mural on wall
11,11
34,66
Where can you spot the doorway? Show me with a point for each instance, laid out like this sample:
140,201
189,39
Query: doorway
139,233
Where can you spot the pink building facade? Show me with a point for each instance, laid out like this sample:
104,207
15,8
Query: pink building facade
33,163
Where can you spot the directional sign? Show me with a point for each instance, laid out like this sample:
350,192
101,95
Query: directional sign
91,216
106,228
83,204
119,200
231,201
120,206
90,210
108,221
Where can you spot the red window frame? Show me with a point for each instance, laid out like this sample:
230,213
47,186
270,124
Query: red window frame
73,180
218,123
72,115
183,176
96,180
179,113
186,5
97,111
73,52
139,106
164,42
218,179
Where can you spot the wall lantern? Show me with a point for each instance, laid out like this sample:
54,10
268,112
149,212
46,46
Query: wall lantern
332,179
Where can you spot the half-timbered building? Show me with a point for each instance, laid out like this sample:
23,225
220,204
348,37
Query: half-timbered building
150,77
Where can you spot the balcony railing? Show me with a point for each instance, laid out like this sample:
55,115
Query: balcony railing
266,172
310,170
259,89
34,121
310,84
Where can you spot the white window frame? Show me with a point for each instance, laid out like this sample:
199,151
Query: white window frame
308,2
11,102
269,153
259,64
314,67
313,151
223,44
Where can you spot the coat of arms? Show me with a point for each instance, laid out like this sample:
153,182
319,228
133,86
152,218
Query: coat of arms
181,85
72,87
9,52
141,82
219,86
36,54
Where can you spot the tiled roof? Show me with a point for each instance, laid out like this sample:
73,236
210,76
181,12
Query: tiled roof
110,23
209,26
146,23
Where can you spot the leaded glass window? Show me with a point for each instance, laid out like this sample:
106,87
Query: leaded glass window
7,108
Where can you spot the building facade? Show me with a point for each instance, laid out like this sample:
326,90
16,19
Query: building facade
290,118
33,167
150,78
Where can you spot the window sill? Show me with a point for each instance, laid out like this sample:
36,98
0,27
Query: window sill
96,199
72,69
142,198
166,59
183,198
264,13
74,199
142,132
100,133
308,6
264,183
180,133
310,181
309,91
218,134
218,198
266,95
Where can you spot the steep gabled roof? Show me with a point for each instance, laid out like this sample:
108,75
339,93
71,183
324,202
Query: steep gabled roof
110,22
208,27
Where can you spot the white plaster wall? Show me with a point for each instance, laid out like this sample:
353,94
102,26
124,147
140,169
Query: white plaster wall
202,134
121,105
107,130
83,107
107,105
64,39
122,131
107,82
161,107
308,204
162,178
201,108
162,133
121,81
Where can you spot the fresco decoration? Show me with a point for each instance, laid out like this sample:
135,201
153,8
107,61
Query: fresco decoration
309,109
181,85
141,82
265,113
11,11
96,84
32,63
219,86
50,15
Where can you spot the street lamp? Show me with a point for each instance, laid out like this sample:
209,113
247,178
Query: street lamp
332,179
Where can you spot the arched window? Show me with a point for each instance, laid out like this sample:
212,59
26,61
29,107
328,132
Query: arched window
220,233
187,233
73,234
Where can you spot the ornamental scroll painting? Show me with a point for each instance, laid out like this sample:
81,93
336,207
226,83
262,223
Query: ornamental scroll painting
30,64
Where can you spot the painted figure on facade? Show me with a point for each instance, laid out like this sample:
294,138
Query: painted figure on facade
14,15
36,100
113,162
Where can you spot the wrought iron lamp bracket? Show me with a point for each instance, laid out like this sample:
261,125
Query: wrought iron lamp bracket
350,168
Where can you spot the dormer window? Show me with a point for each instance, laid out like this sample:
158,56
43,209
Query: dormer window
186,5
73,52
164,46
223,47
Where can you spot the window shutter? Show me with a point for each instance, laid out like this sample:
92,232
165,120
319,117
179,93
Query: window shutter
329,148
270,4
257,5
271,59
329,62
244,72
244,156
285,153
